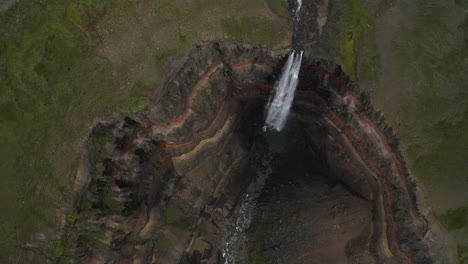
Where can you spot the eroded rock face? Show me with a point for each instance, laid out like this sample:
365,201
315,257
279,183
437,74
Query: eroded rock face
163,185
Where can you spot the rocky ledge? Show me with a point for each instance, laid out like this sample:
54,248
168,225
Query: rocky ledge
166,185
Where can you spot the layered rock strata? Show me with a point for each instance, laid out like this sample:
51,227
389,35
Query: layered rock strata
162,185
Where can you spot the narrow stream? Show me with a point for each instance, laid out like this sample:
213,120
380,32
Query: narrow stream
243,215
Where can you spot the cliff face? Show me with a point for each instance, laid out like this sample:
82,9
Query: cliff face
165,185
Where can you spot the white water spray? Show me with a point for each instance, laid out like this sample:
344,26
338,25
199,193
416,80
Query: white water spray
299,5
278,107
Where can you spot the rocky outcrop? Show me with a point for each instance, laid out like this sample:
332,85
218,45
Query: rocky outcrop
163,184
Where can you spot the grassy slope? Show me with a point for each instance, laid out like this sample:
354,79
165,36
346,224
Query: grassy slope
53,84
429,47
50,82
439,106
433,120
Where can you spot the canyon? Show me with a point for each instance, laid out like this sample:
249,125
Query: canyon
140,131
165,185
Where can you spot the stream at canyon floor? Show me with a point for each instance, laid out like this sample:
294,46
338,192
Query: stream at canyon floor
293,212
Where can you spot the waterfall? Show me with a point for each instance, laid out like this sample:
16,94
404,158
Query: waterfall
299,4
278,107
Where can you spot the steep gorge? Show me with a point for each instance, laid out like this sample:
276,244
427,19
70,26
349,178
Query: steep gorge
163,185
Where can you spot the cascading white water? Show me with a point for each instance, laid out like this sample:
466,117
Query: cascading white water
299,5
278,107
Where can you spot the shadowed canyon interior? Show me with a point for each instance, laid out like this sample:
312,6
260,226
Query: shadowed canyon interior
195,179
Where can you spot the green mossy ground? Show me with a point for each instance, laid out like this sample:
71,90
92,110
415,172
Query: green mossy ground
264,31
179,217
455,219
111,204
463,254
434,120
260,231
344,38
51,85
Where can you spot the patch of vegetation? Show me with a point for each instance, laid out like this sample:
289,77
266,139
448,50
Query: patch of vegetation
63,260
360,18
98,142
256,259
59,249
260,232
255,29
111,204
447,160
163,243
203,227
455,219
463,254
76,9
361,23
73,217
97,240
349,38
132,238
178,217
86,205
348,55
280,8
